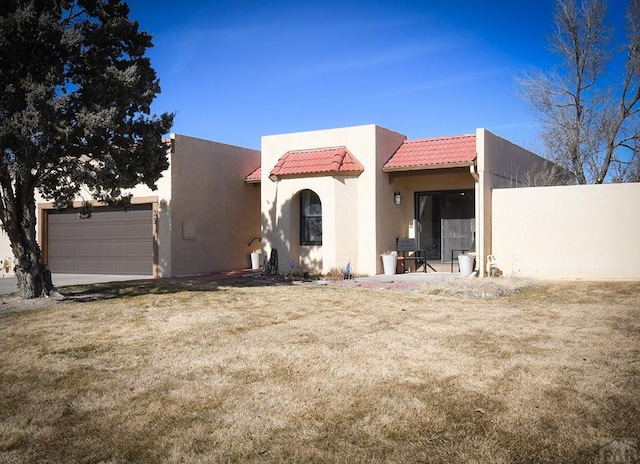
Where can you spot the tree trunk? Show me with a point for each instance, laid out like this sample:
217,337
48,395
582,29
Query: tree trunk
32,280
19,221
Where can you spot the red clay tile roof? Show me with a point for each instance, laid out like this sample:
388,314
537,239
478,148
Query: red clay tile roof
433,153
329,161
254,177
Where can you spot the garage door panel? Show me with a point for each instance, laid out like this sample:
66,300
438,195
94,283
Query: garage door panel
106,232
112,241
80,233
107,249
120,230
62,232
133,249
77,248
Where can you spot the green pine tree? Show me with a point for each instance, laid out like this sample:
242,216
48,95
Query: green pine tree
75,112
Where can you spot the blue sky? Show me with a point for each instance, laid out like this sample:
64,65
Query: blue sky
237,70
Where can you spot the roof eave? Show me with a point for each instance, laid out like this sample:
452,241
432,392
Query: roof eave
276,177
423,167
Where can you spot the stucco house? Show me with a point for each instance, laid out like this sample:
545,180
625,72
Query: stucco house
326,198
332,197
321,198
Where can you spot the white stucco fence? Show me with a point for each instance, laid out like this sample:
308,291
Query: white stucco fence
574,232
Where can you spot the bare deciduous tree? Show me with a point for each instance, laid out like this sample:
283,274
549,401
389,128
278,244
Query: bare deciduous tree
590,119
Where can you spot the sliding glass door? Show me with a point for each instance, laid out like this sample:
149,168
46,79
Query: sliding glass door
446,222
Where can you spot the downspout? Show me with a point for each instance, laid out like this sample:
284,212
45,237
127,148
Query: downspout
474,173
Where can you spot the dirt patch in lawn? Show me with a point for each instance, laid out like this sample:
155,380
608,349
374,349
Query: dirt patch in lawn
482,288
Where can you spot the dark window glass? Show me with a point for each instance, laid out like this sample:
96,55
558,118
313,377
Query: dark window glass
310,219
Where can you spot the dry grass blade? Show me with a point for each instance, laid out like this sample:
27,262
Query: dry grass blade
219,372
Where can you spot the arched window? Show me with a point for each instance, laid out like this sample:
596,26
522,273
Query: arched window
310,218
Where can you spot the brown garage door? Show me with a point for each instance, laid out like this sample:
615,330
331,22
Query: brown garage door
112,241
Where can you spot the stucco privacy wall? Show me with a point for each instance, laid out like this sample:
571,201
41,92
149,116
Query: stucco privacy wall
586,232
212,213
350,226
500,163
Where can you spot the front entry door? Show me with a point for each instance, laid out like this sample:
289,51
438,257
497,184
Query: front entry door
446,222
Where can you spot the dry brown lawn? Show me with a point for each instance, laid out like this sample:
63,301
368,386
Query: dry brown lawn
206,372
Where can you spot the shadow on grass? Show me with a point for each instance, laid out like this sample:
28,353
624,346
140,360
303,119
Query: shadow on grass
133,288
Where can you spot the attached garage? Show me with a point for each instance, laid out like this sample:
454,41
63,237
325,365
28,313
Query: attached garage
111,241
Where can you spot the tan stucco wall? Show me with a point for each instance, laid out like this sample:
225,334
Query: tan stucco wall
389,222
500,163
575,232
213,214
281,223
351,205
159,197
5,253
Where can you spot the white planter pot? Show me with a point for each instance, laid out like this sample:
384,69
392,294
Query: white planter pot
255,260
389,263
466,265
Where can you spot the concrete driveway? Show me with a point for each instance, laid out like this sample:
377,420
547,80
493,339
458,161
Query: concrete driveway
10,284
